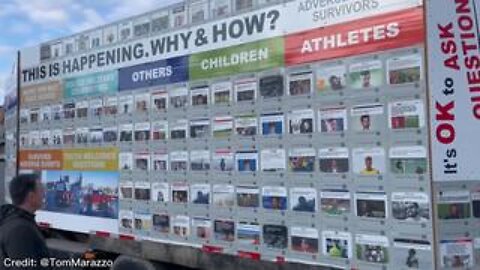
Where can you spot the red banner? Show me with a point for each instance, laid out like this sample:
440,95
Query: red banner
379,33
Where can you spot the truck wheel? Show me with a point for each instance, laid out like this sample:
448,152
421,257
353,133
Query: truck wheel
124,262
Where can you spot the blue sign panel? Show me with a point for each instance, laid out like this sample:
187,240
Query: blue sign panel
161,72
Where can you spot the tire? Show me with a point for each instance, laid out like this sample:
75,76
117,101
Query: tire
124,262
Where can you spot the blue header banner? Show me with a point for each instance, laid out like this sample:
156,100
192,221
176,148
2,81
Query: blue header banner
173,70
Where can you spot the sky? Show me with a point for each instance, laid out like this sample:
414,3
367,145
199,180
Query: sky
27,23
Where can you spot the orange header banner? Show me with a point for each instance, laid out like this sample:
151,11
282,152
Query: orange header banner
41,160
41,93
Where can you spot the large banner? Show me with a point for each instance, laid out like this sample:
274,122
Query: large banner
454,71
275,21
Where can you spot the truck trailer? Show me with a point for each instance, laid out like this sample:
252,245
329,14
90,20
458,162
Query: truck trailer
282,134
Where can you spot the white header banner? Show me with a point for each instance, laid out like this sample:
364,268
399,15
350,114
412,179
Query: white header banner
274,21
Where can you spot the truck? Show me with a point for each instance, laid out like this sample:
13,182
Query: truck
283,134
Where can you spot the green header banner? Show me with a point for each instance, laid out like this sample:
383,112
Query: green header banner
243,58
102,83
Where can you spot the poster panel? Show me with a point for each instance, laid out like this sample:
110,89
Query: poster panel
81,194
454,83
